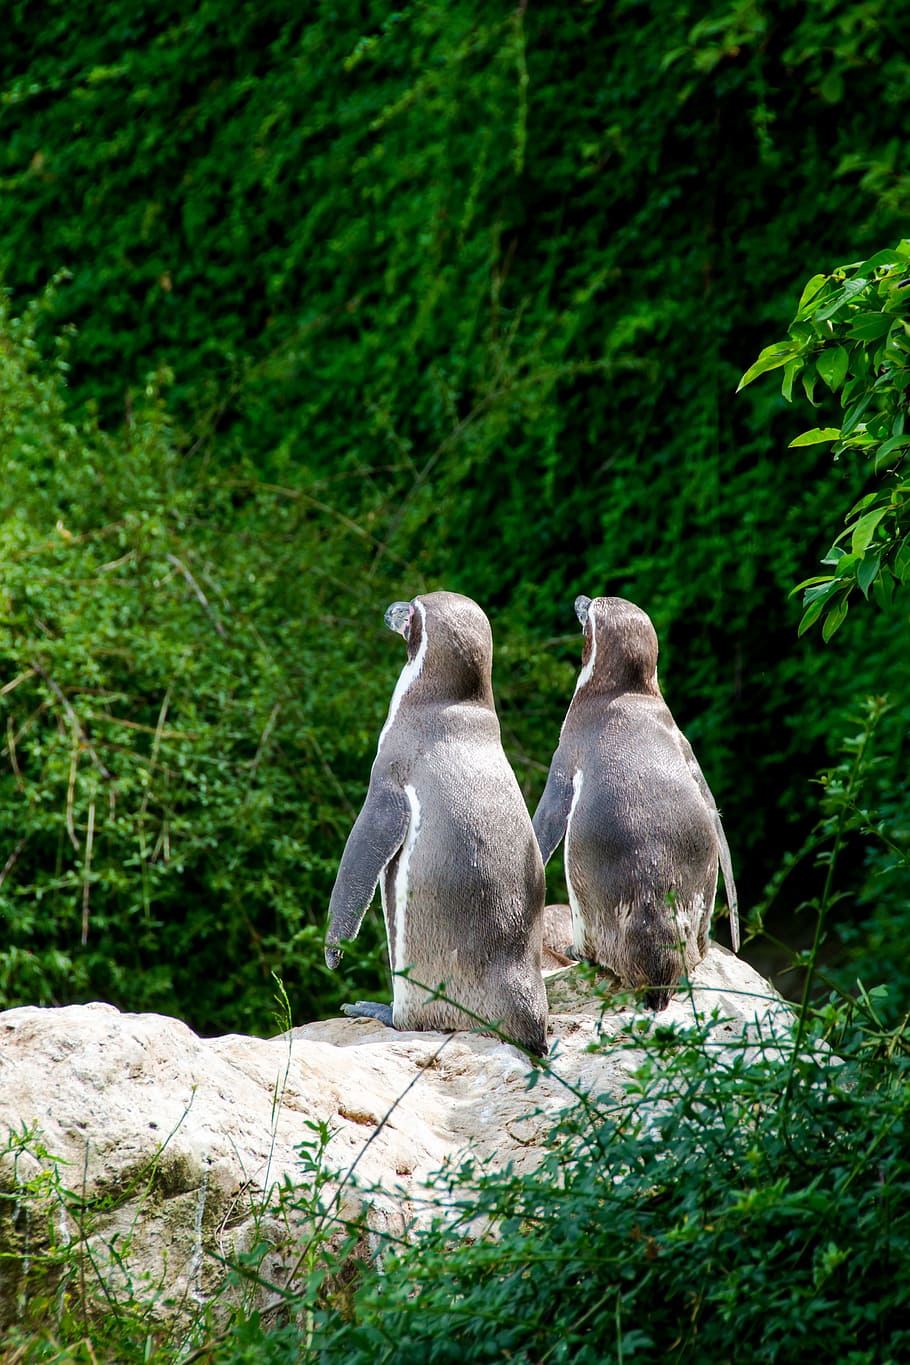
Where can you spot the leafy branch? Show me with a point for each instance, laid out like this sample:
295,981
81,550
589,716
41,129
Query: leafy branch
852,331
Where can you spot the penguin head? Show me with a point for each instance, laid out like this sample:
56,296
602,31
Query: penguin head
450,645
398,617
620,649
582,604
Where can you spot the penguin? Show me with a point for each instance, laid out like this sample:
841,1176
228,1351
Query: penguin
643,835
446,833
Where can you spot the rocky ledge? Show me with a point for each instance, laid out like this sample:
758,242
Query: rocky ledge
128,1131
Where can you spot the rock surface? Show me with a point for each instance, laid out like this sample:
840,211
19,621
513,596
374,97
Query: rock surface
178,1146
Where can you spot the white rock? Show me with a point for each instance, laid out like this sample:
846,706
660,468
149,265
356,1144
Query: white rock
181,1142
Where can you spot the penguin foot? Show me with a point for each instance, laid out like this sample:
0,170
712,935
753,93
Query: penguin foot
369,1009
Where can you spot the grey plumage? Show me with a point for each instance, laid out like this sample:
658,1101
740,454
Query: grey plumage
445,832
642,831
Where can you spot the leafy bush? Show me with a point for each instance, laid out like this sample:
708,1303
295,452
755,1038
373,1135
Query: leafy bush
762,1216
175,660
852,331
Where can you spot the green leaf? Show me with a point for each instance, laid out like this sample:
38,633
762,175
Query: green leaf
803,333
811,582
832,366
890,256
842,297
902,561
835,619
810,616
834,554
863,503
790,372
832,87
860,366
870,326
809,377
810,294
883,587
883,458
864,530
816,436
888,447
823,589
852,418
771,358
868,571
846,565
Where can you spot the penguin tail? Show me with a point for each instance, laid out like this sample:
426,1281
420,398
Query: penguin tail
658,998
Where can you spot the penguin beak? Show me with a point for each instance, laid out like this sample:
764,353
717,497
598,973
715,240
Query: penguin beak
582,604
398,617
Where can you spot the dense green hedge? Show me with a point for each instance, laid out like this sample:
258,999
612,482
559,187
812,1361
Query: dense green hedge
176,777
450,296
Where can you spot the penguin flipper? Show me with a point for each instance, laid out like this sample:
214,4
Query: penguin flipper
726,867
552,813
723,848
375,838
369,1009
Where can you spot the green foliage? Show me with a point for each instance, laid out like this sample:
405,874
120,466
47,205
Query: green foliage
725,1229
359,304
173,798
434,302
873,932
852,331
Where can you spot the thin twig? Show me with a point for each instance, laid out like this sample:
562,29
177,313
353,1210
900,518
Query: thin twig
11,750
264,739
300,495
142,729
13,859
204,601
87,870
57,543
71,797
116,563
74,721
23,677
158,732
25,727
162,844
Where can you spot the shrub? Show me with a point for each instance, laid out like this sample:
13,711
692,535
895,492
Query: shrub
179,714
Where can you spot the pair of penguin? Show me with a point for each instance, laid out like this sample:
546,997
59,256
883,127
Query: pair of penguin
445,832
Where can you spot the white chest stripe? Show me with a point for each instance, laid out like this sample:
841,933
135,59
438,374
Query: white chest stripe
399,959
588,669
409,674
578,923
